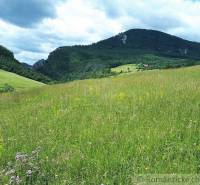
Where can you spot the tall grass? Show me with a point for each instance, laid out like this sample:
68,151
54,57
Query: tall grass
106,131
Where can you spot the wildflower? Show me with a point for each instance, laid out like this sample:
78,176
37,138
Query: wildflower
29,173
39,148
90,89
121,96
23,162
14,180
36,151
12,171
17,179
20,157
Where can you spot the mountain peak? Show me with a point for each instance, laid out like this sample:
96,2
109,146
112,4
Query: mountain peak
152,41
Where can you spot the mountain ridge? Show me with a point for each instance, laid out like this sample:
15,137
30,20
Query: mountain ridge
69,62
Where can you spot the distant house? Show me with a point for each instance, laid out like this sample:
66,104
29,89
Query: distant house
145,65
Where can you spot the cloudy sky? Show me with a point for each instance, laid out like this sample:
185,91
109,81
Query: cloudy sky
33,28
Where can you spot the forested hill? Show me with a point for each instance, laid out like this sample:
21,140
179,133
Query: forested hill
137,46
9,63
152,41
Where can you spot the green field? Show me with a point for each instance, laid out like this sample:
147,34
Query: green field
105,131
128,68
16,81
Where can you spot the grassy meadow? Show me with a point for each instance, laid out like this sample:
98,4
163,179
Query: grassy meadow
104,131
16,81
125,68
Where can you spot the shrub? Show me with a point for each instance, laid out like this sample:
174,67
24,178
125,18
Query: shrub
6,88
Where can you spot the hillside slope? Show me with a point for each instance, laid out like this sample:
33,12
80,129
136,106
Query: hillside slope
137,46
16,81
107,130
9,63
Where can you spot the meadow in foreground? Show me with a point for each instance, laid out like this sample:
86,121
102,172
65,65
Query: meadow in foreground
105,131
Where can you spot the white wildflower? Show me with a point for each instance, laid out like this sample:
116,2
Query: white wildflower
29,173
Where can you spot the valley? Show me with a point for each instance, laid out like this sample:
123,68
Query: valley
104,131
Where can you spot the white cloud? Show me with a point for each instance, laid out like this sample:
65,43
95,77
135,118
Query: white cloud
77,19
87,21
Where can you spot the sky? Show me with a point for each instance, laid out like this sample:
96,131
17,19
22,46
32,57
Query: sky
34,28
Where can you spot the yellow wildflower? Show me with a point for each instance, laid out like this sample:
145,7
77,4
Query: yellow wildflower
121,96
